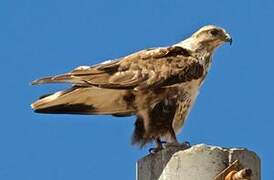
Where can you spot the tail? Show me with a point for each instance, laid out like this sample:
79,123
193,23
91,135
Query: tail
85,100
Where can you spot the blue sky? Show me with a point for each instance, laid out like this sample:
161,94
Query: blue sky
38,38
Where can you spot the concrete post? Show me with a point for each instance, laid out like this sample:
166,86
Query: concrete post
200,162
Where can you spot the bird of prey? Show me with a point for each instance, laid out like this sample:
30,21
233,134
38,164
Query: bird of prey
157,85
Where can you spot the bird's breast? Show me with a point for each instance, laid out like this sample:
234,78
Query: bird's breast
190,91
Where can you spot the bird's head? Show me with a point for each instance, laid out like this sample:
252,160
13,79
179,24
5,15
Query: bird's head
211,36
208,37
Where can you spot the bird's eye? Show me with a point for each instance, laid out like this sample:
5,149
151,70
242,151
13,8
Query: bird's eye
214,32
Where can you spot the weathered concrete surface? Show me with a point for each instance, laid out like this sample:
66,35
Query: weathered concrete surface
200,162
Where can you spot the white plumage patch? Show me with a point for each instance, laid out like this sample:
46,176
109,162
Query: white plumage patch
82,68
106,62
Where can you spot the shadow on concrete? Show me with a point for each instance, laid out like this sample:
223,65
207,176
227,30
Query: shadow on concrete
151,166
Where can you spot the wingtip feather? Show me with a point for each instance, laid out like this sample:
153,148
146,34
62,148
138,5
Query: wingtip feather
41,81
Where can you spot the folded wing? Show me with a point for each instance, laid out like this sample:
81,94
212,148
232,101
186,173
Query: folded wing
145,69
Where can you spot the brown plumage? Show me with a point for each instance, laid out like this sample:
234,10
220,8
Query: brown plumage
141,70
158,85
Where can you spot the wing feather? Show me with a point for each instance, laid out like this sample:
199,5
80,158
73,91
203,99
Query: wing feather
141,70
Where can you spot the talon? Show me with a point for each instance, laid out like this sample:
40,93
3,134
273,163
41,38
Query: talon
186,143
163,142
154,150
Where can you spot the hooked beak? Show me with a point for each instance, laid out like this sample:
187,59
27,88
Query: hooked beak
228,39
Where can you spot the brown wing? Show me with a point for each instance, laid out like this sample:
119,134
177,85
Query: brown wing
145,69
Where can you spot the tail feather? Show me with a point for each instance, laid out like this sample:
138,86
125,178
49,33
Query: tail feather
85,100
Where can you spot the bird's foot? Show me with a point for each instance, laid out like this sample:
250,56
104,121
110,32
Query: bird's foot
155,150
184,145
158,148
